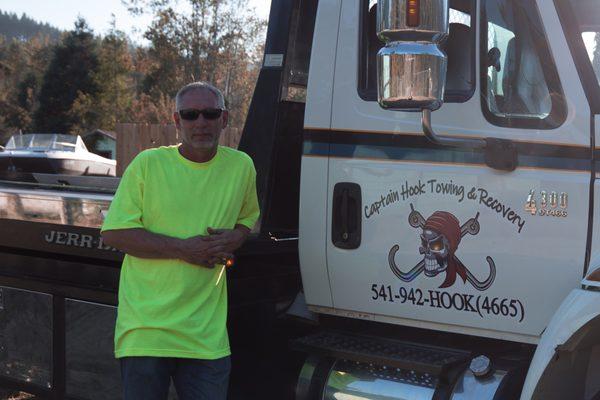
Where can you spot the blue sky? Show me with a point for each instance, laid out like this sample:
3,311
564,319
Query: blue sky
62,13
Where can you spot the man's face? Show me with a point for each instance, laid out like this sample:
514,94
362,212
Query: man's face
202,133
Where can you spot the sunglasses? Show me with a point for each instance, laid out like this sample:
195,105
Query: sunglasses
192,114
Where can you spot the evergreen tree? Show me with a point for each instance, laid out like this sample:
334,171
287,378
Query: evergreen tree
69,84
25,28
114,79
84,82
166,72
21,67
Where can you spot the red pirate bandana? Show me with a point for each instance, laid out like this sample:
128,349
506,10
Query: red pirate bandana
446,224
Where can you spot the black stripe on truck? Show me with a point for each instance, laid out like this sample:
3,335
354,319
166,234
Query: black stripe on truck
407,147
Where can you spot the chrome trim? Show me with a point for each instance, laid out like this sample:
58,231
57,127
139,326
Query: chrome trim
88,184
564,200
553,199
305,378
54,207
470,387
543,199
354,380
448,140
480,366
280,239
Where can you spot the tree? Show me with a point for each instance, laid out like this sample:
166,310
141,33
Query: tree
85,82
144,109
24,28
214,40
166,71
70,81
114,80
21,68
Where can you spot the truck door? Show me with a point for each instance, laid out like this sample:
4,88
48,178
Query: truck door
431,236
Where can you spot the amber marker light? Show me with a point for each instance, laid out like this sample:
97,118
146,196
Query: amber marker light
412,13
594,276
592,280
229,262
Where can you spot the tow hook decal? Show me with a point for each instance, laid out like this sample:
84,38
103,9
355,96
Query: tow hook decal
440,236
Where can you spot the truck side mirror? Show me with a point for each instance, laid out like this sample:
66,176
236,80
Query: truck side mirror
411,76
411,71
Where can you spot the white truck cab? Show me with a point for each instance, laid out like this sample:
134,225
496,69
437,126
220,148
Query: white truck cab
483,241
429,186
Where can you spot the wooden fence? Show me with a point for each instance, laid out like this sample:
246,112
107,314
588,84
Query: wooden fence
133,138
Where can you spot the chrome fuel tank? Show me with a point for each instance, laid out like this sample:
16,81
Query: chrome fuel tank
326,378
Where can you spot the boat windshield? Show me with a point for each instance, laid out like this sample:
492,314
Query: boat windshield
45,142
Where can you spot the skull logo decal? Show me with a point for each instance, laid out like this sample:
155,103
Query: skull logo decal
434,247
440,235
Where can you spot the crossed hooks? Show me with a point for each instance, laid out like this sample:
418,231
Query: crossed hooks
416,220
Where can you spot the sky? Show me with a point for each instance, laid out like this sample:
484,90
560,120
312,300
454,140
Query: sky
63,13
98,13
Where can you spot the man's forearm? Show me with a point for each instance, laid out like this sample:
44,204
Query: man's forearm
141,243
244,230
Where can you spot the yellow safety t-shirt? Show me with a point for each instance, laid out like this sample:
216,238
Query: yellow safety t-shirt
167,307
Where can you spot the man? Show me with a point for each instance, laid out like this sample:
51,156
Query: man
178,214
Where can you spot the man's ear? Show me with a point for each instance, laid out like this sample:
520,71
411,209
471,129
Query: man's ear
177,120
225,119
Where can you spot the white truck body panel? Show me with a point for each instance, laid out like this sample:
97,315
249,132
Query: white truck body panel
313,197
532,277
519,277
580,307
352,114
320,84
595,244
312,243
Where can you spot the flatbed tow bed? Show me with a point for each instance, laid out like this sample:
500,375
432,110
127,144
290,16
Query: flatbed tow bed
58,279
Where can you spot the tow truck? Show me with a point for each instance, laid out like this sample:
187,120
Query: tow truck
428,181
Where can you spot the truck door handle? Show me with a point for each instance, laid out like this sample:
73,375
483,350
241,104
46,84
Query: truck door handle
344,214
346,218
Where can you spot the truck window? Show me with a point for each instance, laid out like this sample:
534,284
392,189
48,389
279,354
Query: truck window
580,20
519,83
591,39
460,48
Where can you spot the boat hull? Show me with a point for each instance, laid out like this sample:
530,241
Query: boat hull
14,166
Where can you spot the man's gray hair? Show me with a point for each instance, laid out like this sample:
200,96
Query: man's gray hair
200,86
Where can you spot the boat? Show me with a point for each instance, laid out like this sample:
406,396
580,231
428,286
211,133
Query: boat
26,155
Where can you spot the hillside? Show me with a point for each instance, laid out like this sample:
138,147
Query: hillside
23,27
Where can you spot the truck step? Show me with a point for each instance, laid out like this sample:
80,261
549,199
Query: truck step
380,351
